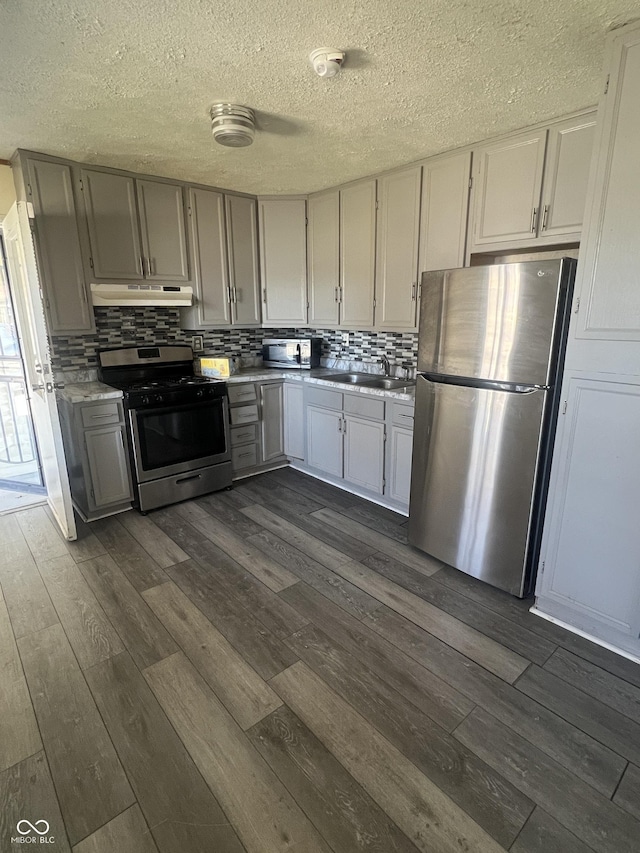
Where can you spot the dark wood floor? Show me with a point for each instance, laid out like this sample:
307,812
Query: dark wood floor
274,669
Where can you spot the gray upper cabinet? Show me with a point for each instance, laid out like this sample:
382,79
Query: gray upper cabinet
357,253
136,228
212,305
58,248
398,232
323,238
244,274
110,202
566,175
444,212
283,255
162,228
508,180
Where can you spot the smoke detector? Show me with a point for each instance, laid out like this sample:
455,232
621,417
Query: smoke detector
233,125
326,61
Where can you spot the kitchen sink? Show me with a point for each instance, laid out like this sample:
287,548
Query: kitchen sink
388,384
350,378
368,381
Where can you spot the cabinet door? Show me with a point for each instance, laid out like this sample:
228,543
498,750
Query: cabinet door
508,176
324,263
324,440
210,257
399,450
357,253
607,278
244,279
443,216
272,421
567,166
108,466
283,252
112,218
162,226
294,421
592,536
397,238
364,453
58,243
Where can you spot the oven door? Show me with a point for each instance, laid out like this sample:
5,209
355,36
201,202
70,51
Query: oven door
175,439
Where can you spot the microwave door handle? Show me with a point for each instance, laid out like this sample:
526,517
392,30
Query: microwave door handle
299,355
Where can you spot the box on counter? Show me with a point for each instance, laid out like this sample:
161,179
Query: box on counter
215,367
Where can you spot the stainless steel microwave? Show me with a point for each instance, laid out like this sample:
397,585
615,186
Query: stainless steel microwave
298,353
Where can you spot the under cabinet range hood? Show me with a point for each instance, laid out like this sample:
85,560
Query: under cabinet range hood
142,294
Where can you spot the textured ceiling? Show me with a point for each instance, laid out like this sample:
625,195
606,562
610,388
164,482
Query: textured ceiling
129,84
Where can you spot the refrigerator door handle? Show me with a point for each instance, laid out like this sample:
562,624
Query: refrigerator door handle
489,385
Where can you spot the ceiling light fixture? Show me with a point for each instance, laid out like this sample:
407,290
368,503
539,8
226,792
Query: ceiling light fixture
326,61
233,125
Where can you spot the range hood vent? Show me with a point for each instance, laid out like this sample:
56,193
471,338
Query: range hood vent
142,294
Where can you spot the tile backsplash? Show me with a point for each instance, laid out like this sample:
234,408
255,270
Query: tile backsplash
122,326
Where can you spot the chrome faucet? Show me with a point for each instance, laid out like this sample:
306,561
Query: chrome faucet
386,365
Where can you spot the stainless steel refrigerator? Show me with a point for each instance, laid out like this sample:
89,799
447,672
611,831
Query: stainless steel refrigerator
490,354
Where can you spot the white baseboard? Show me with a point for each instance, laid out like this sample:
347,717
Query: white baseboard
597,640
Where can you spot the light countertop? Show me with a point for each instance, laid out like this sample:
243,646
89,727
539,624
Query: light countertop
92,391
88,392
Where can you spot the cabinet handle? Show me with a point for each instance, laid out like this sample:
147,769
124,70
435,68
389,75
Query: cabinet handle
414,291
264,294
339,424
229,294
94,417
337,294
141,259
534,216
545,217
235,294
344,426
151,266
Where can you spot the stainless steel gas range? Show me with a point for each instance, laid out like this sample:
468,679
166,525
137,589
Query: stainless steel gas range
178,423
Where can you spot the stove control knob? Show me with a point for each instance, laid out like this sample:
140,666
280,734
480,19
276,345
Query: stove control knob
199,393
157,398
145,400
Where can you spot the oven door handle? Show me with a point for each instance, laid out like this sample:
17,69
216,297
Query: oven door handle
187,479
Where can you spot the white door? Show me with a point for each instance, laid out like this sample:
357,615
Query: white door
23,274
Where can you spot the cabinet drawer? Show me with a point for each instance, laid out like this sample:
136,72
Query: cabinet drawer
241,393
367,407
244,415
244,434
324,398
244,457
106,413
402,415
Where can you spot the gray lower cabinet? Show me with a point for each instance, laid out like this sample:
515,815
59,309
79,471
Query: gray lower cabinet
97,457
325,448
360,441
364,453
294,420
257,426
57,239
399,452
272,421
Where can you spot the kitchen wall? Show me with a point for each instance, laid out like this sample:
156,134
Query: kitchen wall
123,326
